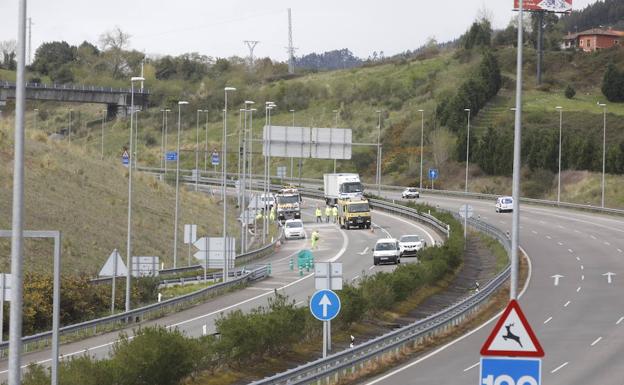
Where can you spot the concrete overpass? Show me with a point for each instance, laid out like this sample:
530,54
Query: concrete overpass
117,100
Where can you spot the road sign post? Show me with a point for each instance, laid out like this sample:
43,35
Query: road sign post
433,175
325,306
512,337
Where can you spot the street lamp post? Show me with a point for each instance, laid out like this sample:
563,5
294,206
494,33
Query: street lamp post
197,151
604,151
559,175
136,137
291,158
466,183
129,240
206,144
226,259
243,185
167,111
330,145
422,134
103,119
267,168
378,153
162,140
177,195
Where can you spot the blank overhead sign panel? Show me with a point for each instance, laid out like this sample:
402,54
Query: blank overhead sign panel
306,142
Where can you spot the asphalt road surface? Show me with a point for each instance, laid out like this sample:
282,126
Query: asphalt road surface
579,322
351,247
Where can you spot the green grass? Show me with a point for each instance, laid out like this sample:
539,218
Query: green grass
176,291
502,259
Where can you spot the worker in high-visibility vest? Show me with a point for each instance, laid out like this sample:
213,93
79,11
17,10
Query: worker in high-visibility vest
315,237
328,212
335,213
272,214
319,215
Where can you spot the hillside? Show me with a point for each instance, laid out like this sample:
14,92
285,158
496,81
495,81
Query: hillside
70,189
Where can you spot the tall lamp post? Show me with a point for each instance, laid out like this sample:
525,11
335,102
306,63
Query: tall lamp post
378,153
129,240
167,111
104,112
197,151
177,195
291,158
336,125
162,140
268,106
560,109
206,144
226,259
604,151
422,135
466,183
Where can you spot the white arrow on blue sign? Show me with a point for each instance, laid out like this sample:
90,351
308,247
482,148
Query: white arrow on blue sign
325,305
125,158
510,371
172,156
433,173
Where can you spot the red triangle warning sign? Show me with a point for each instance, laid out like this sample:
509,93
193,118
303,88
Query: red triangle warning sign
512,336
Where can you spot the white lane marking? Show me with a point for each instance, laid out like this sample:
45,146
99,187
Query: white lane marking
542,222
288,257
578,289
592,237
371,268
560,243
596,341
495,317
259,288
472,366
607,243
364,252
501,222
571,251
557,277
548,237
567,304
583,277
424,230
578,259
582,267
555,370
619,321
299,303
534,232
576,231
561,227
382,229
548,320
620,251
356,277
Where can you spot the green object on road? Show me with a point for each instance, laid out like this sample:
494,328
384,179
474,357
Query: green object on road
291,264
269,269
304,258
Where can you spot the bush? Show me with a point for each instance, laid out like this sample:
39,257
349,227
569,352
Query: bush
569,92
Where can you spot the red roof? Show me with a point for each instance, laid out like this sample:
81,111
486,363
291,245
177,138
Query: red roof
599,31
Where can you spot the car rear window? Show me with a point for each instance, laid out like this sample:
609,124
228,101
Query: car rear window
507,200
385,246
294,224
410,238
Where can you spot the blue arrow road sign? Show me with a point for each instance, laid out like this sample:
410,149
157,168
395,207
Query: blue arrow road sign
215,158
172,155
510,371
325,305
433,173
125,158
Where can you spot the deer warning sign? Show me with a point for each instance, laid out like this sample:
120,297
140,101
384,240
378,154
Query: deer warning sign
512,336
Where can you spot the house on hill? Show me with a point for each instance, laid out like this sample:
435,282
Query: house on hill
593,39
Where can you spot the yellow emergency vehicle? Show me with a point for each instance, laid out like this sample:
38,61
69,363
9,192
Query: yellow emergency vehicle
354,212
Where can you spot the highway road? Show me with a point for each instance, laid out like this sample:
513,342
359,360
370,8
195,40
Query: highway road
352,248
579,322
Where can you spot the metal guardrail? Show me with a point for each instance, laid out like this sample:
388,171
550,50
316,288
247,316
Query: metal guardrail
74,87
156,310
333,367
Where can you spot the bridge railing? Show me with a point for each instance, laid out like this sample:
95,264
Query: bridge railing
76,87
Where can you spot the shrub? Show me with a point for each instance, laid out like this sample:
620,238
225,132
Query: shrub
569,92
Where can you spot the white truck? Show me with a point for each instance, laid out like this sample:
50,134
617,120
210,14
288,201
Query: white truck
342,186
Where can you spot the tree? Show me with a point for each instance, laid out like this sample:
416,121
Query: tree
50,57
114,42
569,92
7,54
613,83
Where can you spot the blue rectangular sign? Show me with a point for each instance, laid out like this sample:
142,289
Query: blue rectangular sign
215,158
510,371
172,155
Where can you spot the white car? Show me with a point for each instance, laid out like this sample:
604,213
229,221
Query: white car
293,228
504,204
411,244
386,250
410,192
267,201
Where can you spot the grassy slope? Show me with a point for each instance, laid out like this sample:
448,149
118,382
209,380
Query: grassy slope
68,188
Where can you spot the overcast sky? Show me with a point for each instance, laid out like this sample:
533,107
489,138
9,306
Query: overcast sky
218,28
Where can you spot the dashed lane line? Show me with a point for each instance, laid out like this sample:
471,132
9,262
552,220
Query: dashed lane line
558,368
578,289
471,367
596,341
619,321
567,304
548,320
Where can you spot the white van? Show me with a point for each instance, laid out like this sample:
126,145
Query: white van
387,250
504,204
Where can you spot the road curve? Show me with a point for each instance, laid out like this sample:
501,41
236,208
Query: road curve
351,247
579,322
